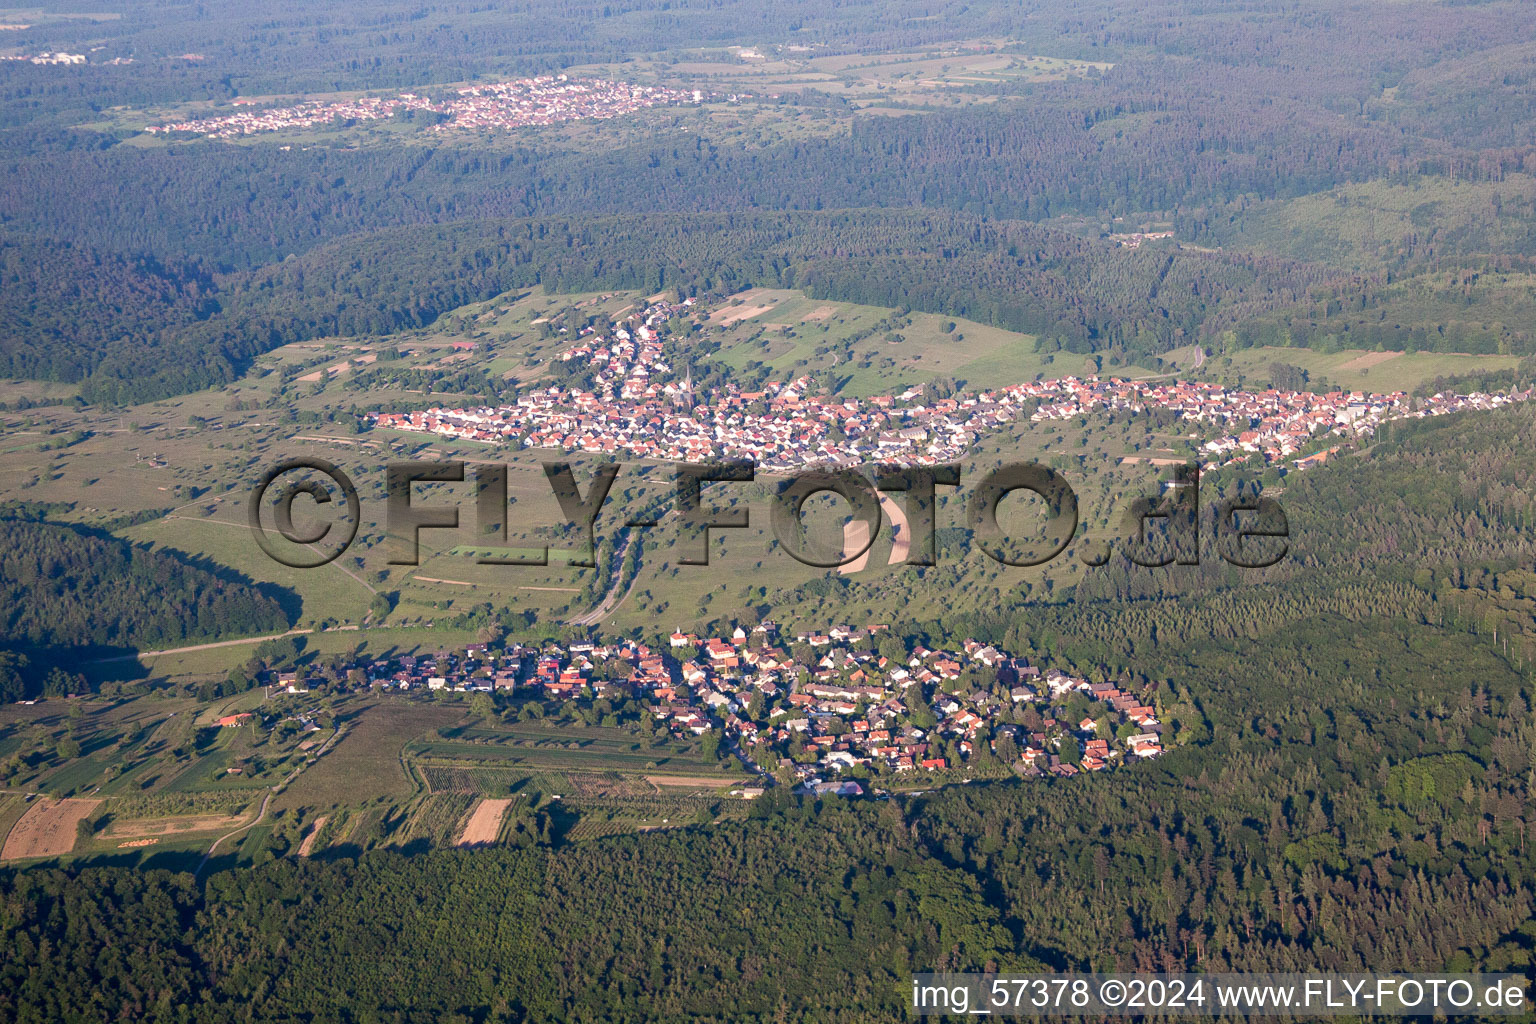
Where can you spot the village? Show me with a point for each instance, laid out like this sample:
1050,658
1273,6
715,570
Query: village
519,103
829,711
638,407
48,57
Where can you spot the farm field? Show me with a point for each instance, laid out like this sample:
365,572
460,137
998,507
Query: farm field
170,827
435,818
696,783
936,76
12,807
484,823
565,753
405,771
365,765
47,829
307,847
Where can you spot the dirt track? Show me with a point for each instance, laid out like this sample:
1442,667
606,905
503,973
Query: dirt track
47,829
1368,360
203,647
856,535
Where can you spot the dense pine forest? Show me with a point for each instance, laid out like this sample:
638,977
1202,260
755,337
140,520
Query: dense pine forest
69,592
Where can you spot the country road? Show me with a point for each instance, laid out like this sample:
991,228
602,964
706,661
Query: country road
266,802
260,814
202,647
612,599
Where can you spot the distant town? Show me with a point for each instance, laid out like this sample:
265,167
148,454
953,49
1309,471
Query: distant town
832,708
640,407
46,57
519,103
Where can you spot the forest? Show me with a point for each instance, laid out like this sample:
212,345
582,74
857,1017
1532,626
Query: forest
70,593
146,271
1024,279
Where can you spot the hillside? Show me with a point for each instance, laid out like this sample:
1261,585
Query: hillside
67,592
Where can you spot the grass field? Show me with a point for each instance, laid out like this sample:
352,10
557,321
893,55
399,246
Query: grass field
438,818
365,764
12,807
484,823
407,772
326,594
1361,370
875,353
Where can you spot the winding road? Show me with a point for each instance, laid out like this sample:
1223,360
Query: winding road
266,802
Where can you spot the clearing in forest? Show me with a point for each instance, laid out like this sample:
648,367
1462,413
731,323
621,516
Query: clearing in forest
1368,360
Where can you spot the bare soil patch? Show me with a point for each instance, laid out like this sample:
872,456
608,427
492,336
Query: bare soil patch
695,781
736,314
134,828
820,313
484,824
901,532
309,840
47,829
855,536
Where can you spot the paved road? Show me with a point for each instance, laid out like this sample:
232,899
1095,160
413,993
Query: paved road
611,599
614,597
